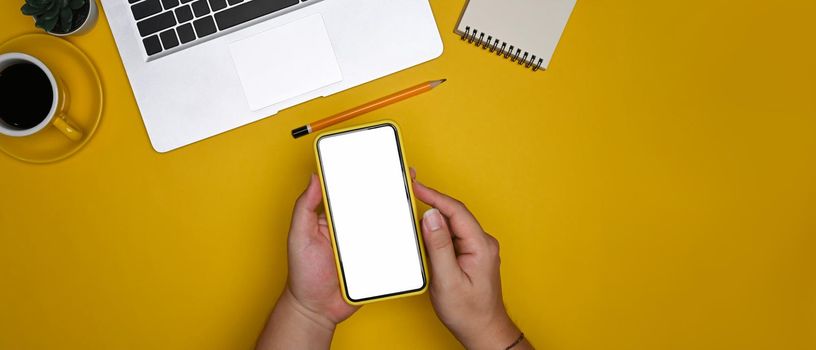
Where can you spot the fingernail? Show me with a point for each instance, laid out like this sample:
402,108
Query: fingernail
433,219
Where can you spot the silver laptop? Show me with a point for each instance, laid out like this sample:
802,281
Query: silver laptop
202,67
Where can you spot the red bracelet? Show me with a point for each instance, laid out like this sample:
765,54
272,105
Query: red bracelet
520,338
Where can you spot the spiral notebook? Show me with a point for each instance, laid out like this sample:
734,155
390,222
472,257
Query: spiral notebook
524,31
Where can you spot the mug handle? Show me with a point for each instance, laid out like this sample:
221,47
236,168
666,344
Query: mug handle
67,127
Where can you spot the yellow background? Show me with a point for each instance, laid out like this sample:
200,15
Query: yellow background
655,189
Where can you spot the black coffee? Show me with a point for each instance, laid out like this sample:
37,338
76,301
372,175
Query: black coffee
25,96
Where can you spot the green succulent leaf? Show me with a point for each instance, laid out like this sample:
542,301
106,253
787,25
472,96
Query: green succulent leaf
65,19
50,5
39,3
29,10
52,12
76,4
29,5
46,24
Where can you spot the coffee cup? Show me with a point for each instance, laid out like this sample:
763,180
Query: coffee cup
32,98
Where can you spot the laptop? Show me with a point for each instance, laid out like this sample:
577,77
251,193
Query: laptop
201,67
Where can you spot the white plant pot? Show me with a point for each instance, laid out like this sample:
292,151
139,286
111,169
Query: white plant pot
93,14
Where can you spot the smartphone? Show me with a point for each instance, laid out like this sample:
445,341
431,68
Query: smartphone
371,213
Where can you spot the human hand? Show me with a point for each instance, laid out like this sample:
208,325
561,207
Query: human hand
311,305
465,285
312,269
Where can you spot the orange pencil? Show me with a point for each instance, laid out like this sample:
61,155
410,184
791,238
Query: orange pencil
368,107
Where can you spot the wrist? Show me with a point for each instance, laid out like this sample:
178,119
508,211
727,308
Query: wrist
499,333
293,326
309,318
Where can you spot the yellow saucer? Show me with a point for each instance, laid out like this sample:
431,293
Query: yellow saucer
84,87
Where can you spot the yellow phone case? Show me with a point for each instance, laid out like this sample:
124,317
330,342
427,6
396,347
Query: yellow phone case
417,229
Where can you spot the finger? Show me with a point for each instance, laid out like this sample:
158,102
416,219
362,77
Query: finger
304,213
462,222
413,173
439,246
493,247
323,226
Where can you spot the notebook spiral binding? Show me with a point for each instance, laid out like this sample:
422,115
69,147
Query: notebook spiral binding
492,44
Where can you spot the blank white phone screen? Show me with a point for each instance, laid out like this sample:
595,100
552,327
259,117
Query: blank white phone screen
371,212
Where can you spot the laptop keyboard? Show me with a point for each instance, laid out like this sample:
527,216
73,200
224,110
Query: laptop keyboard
166,24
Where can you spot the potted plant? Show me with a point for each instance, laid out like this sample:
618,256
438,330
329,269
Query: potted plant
62,17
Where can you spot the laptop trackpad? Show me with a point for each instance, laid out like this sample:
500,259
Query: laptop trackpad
285,62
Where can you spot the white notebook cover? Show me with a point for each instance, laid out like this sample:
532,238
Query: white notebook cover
530,26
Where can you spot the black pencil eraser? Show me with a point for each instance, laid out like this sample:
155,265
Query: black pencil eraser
301,131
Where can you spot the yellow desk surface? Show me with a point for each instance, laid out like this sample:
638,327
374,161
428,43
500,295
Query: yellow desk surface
655,189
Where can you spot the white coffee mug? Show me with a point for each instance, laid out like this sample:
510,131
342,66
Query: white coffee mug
56,116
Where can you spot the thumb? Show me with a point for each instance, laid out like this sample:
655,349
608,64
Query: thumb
304,214
438,243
